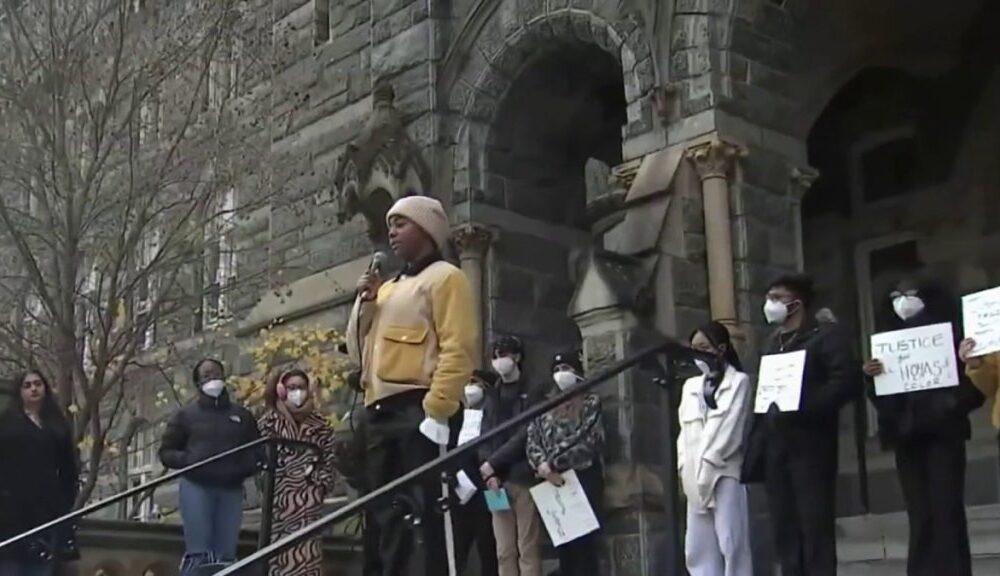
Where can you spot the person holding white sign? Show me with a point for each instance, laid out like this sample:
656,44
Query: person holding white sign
927,428
794,452
713,412
571,437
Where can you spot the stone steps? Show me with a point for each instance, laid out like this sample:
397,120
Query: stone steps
876,545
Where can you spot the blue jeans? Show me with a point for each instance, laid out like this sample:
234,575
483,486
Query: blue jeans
212,518
16,568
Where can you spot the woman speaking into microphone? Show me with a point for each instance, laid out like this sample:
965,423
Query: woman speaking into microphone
415,337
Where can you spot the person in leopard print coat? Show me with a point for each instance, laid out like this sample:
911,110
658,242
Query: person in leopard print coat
303,480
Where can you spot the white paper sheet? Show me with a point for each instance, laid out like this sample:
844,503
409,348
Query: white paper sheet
472,424
565,510
464,489
915,359
779,381
981,316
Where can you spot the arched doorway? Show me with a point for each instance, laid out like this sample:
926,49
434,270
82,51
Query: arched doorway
904,182
565,107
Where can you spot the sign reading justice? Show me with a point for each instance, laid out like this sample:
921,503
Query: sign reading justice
915,359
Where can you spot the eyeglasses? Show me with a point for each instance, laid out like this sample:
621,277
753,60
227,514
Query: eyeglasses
898,294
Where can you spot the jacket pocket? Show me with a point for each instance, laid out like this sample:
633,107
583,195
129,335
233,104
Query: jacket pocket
402,354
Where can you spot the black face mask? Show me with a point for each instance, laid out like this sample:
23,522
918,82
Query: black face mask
717,371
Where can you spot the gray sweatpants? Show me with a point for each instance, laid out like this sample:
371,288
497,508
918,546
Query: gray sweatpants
718,540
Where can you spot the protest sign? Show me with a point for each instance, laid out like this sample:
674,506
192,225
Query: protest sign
981,315
565,510
779,381
472,424
915,359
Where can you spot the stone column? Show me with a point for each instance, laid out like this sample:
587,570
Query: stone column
714,162
473,242
799,183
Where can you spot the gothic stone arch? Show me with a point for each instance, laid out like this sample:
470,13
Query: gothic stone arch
511,35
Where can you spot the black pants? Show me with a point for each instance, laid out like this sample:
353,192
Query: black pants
801,498
932,475
395,446
581,556
474,527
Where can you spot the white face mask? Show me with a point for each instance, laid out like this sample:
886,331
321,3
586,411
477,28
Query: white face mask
775,311
213,388
505,366
473,395
907,307
297,397
565,379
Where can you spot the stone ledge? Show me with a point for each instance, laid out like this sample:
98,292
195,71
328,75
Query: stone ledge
328,289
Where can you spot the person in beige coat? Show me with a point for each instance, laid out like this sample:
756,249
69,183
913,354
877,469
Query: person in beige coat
713,414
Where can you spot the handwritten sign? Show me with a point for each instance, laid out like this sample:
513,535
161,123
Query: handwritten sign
915,359
981,314
472,424
780,381
565,510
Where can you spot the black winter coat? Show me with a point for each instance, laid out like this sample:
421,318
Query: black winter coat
832,379
936,413
39,473
506,454
204,428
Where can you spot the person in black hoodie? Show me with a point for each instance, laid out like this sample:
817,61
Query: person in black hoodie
39,472
928,430
211,497
795,453
518,531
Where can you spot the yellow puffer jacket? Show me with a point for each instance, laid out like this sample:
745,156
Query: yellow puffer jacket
985,374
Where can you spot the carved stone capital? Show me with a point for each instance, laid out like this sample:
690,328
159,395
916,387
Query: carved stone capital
472,240
715,159
800,180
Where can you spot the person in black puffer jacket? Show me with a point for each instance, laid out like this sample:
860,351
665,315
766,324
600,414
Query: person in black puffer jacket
518,531
211,497
928,430
39,470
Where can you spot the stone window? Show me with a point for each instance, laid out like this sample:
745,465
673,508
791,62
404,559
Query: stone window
883,166
321,21
146,289
887,170
220,261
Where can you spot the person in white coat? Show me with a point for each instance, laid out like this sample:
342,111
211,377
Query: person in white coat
713,413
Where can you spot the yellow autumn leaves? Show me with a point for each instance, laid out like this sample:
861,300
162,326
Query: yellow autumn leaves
311,349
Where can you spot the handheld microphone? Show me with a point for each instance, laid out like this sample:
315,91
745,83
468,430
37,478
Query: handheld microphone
377,263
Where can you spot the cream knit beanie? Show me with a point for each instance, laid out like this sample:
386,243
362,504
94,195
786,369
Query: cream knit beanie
424,212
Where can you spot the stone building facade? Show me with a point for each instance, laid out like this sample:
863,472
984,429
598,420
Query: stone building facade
615,168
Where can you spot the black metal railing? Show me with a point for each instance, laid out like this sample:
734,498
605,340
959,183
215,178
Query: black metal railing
670,350
271,446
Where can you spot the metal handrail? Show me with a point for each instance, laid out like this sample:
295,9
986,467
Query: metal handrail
670,347
153,484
